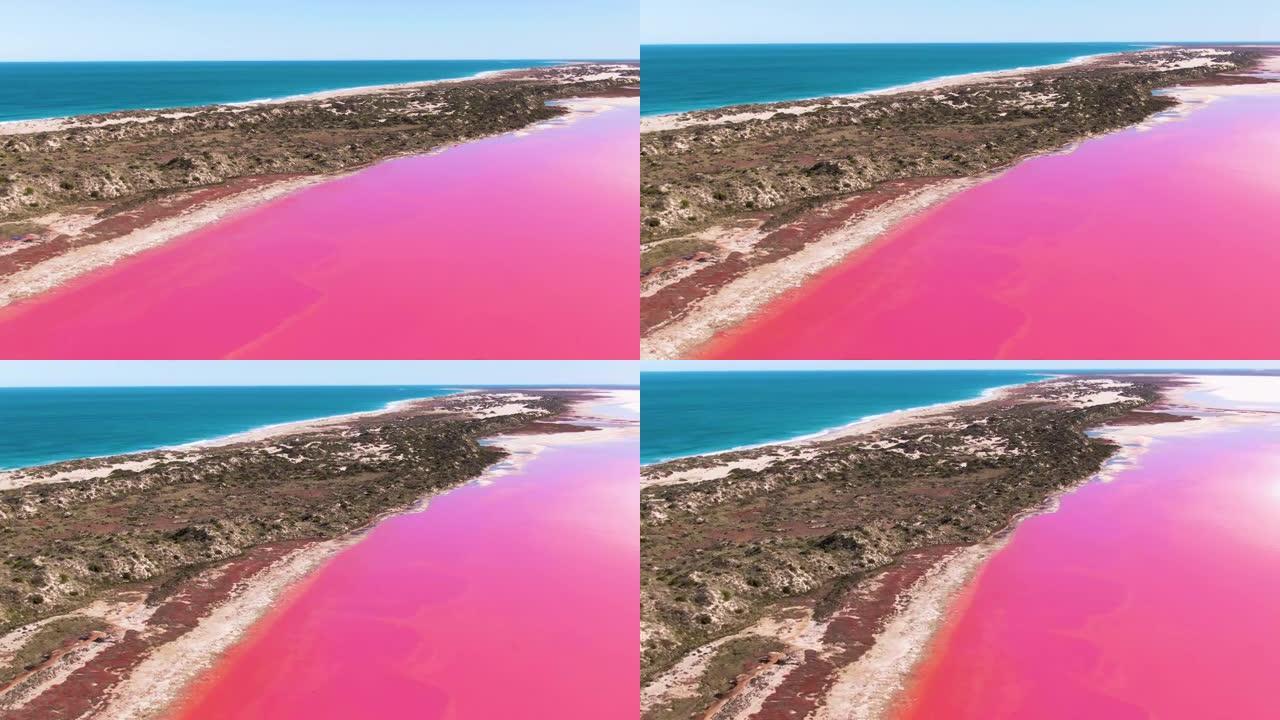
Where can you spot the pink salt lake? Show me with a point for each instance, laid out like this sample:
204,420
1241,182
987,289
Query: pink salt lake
516,246
513,599
1153,243
1151,595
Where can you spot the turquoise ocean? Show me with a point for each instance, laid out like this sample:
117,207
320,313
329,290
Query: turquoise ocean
690,413
679,78
30,90
43,425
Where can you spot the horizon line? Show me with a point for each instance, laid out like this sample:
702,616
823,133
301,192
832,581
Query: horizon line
1030,366
1030,370
961,42
314,385
311,59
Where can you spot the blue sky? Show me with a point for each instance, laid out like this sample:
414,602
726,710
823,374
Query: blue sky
318,29
718,21
61,373
757,365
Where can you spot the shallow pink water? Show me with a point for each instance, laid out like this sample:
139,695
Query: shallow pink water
509,247
1151,596
518,599
1142,244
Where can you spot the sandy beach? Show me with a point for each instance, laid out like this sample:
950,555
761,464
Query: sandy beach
583,425
732,303
38,125
59,269
460,401
761,457
144,459
796,447
720,116
159,679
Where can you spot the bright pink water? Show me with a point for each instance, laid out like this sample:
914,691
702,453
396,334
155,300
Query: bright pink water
518,599
1151,596
509,247
1158,243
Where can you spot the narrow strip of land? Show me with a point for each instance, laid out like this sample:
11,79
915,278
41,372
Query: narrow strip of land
740,205
79,193
772,575
124,576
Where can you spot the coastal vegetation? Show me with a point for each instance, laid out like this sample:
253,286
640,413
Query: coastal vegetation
788,533
112,163
157,526
742,205
779,159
